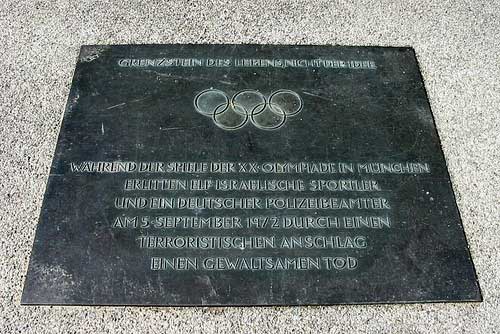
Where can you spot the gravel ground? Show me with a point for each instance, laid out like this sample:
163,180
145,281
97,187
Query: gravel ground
458,47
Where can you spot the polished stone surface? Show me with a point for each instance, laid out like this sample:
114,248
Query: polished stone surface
316,172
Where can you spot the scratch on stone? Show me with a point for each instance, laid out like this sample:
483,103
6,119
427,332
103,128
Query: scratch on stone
89,53
188,78
208,282
125,103
116,105
172,128
226,82
102,128
318,96
178,128
141,99
415,142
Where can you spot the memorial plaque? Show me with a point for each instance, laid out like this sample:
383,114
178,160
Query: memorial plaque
248,175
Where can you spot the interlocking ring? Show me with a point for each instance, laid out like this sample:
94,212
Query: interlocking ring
233,113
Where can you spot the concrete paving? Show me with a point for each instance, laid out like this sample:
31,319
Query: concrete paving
458,47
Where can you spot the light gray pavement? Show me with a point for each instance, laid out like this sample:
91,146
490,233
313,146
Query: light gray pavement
458,47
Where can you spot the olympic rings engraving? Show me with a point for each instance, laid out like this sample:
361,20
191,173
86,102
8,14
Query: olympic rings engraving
265,113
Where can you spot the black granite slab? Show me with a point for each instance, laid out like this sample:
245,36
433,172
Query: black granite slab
248,175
